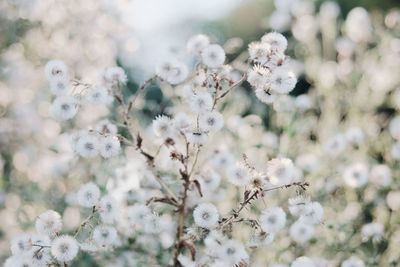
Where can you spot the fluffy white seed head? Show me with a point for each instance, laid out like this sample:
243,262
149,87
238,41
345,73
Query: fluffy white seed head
20,244
259,77
59,86
109,146
200,102
282,81
56,69
98,95
163,127
48,223
273,220
211,121
64,248
64,108
197,43
356,175
88,195
87,145
281,171
238,175
114,75
213,56
206,215
105,236
172,71
313,213
232,252
108,209
301,232
106,127
276,40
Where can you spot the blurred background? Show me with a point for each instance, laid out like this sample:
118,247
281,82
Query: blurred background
89,36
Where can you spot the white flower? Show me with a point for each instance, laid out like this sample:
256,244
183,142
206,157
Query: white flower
281,171
20,261
200,102
196,137
272,220
355,135
358,25
232,252
87,145
98,95
356,175
313,213
213,56
197,43
301,232
88,195
107,209
276,40
182,121
303,262
210,180
39,257
40,239
64,108
56,69
211,121
222,160
172,71
353,261
393,200
104,236
297,205
59,86
162,126
21,243
106,127
265,96
282,81
48,223
238,175
114,75
259,52
64,248
394,128
258,77
335,145
381,175
374,231
109,146
137,214
206,215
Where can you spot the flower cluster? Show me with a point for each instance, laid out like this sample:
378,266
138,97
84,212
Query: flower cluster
270,75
